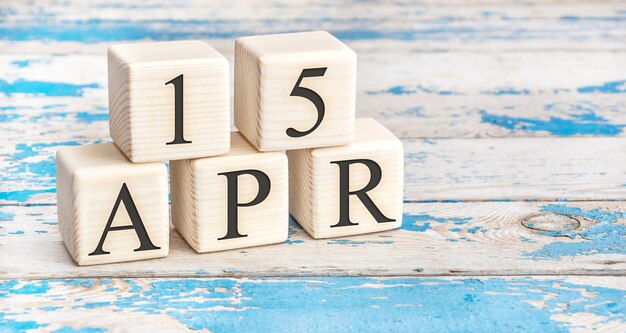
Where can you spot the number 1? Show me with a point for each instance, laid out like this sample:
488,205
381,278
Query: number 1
178,110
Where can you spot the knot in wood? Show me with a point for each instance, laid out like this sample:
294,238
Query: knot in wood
550,222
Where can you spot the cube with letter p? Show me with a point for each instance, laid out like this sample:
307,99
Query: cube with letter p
235,200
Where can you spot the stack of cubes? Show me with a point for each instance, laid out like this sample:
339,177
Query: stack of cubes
299,151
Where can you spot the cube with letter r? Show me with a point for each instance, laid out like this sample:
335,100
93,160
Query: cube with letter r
294,90
351,189
110,209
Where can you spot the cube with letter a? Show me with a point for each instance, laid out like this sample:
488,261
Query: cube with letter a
231,201
110,209
294,90
168,100
351,189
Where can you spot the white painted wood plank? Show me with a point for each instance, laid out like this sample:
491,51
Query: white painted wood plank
515,169
420,95
317,304
436,238
435,170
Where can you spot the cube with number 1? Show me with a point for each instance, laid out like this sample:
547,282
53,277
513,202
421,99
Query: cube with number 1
169,100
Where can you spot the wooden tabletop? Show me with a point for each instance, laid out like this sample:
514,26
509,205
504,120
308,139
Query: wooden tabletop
512,116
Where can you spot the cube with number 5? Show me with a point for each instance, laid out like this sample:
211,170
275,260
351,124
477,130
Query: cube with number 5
295,90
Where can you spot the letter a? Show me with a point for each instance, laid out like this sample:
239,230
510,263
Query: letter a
137,224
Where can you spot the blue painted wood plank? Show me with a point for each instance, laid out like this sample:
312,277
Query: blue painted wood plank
317,304
508,23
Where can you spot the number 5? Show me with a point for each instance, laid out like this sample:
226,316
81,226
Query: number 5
311,96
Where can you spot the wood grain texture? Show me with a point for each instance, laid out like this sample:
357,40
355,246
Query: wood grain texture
201,206
277,103
90,180
146,80
487,238
320,304
315,180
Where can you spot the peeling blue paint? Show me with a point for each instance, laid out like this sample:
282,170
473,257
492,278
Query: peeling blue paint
54,106
6,216
8,325
23,195
591,125
606,236
355,304
528,240
51,308
67,329
87,283
476,229
355,243
414,111
8,117
50,28
42,170
134,287
93,305
613,87
422,222
21,63
411,90
23,288
506,91
294,227
86,117
43,88
455,225
98,30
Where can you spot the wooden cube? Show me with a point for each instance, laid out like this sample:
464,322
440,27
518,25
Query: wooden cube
351,189
110,209
236,200
294,90
169,100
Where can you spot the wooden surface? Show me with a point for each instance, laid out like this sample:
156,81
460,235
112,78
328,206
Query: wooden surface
512,120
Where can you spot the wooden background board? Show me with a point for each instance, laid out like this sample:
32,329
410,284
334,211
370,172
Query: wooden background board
512,120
